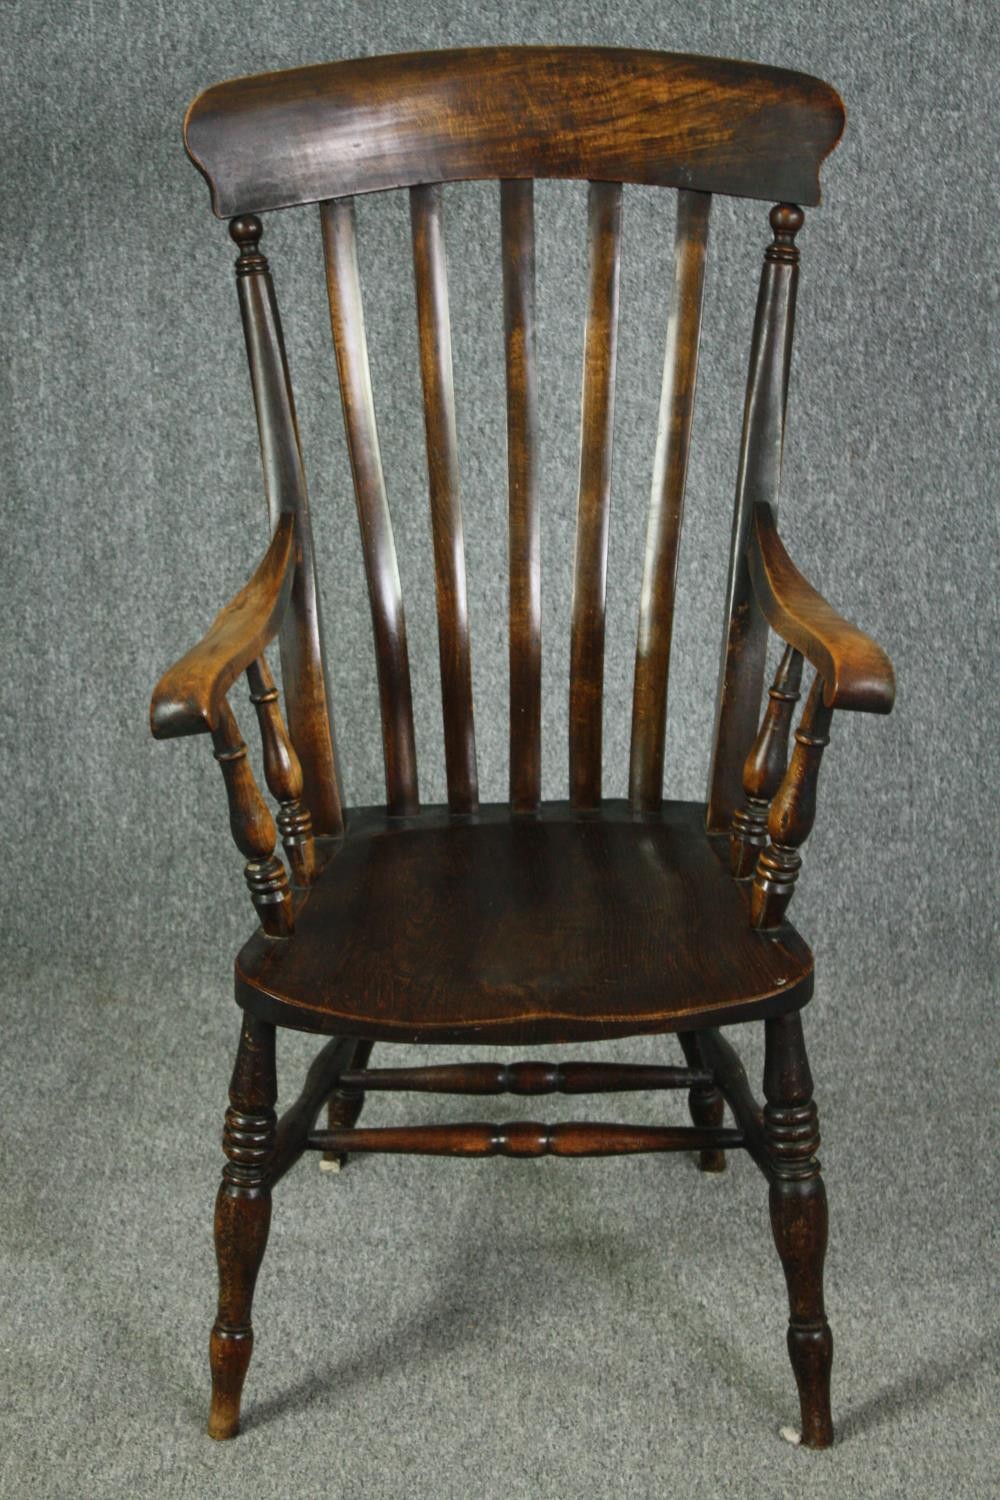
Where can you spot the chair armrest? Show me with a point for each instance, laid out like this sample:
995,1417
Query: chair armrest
855,670
188,697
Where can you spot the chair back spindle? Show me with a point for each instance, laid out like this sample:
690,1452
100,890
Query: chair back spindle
741,676
586,699
517,216
283,774
666,506
446,509
392,658
307,693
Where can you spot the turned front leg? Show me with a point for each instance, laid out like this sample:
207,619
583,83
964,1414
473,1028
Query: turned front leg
242,1219
799,1218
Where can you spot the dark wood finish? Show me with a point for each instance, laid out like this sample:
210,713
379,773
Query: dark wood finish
525,1138
798,1218
253,829
283,773
521,931
307,692
614,114
666,506
348,324
446,508
189,697
586,688
741,676
299,1119
242,1218
345,1104
534,921
765,766
526,1078
856,672
792,814
734,1086
517,217
705,1102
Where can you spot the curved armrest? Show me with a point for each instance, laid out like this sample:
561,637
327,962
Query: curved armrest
189,695
855,670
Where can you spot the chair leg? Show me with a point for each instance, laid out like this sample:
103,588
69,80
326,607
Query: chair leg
242,1218
343,1109
706,1104
799,1218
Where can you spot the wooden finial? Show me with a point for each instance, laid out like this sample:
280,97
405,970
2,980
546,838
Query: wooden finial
786,220
246,232
792,814
765,766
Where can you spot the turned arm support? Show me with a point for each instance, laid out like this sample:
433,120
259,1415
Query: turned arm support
189,696
855,670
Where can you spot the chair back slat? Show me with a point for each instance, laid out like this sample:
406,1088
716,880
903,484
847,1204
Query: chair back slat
385,596
517,217
307,693
741,676
666,506
586,700
434,327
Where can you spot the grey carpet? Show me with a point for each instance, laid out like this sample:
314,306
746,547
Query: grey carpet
496,1329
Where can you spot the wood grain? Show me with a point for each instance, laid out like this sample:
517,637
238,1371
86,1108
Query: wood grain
385,595
517,218
666,506
612,114
856,672
188,698
744,645
434,326
564,927
303,666
590,574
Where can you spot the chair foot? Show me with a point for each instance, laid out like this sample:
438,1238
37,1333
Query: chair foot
705,1103
799,1219
242,1219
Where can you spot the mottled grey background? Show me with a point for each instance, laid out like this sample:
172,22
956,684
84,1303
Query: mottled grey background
133,509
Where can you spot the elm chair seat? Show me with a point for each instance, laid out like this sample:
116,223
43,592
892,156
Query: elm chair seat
492,928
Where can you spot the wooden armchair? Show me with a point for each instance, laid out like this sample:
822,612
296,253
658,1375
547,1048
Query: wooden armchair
528,922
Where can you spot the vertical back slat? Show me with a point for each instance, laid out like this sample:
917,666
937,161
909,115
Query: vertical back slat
741,676
597,421
517,224
666,506
307,692
434,328
348,325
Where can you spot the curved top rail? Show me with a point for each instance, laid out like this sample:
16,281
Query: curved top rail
666,119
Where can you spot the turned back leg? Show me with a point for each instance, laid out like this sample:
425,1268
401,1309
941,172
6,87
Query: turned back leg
343,1109
799,1218
242,1218
705,1103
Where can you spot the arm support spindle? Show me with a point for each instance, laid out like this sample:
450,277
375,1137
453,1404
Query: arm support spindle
792,814
765,766
283,774
253,828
